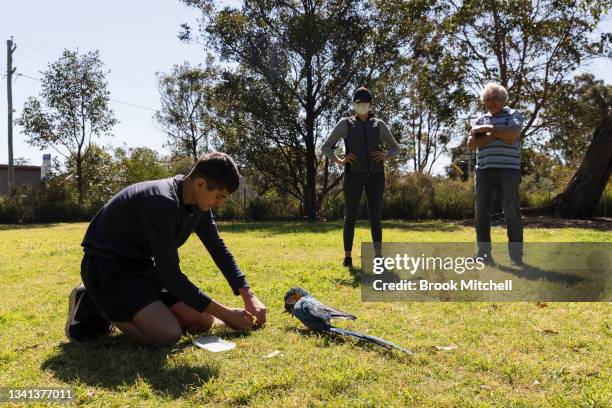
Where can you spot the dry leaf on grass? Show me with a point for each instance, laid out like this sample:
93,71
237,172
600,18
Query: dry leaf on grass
444,348
272,354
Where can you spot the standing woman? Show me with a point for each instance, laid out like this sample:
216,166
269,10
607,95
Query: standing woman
363,134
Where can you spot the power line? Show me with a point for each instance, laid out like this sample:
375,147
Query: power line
116,73
54,50
129,73
110,99
134,105
27,76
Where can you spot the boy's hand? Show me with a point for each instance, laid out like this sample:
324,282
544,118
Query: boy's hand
254,306
236,319
239,319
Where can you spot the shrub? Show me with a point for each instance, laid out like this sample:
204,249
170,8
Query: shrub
9,211
260,209
333,206
231,210
454,199
409,197
52,201
415,196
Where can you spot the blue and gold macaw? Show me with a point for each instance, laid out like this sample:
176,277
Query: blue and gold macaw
316,316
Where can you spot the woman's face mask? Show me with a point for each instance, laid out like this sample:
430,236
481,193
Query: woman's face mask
362,108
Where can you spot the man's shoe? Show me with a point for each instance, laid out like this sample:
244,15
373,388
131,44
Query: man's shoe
348,262
84,320
516,262
487,259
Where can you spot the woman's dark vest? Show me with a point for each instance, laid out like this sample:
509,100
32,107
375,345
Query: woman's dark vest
362,139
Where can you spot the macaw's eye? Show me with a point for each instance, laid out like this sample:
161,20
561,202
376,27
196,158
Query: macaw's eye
297,296
290,301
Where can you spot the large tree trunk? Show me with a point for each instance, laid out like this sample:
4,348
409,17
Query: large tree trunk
311,174
311,164
583,192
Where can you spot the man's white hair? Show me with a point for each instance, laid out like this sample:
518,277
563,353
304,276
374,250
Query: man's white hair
494,89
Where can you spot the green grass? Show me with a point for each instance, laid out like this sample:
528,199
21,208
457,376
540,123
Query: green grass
508,354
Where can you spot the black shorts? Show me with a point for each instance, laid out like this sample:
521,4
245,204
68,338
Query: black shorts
120,288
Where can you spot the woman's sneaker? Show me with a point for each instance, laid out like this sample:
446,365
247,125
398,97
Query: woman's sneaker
348,262
84,320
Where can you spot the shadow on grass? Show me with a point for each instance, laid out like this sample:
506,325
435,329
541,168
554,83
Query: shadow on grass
115,361
9,227
330,339
356,277
547,222
531,272
423,226
354,280
227,333
292,227
281,227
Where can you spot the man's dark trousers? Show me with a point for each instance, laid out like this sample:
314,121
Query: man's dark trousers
507,181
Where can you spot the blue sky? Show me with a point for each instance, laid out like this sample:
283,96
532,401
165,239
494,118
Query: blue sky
135,38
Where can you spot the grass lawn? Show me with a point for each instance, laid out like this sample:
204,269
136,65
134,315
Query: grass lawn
508,354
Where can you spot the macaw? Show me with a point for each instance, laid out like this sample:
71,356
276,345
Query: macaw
316,316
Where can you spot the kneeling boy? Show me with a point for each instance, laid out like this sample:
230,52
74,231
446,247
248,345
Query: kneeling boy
131,271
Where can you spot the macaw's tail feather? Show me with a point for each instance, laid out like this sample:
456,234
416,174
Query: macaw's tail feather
337,314
369,339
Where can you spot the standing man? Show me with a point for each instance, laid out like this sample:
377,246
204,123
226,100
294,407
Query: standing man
495,135
363,135
131,271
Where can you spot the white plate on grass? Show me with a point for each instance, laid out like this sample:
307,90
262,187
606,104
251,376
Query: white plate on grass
214,344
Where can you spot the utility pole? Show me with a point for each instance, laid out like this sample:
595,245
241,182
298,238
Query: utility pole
10,49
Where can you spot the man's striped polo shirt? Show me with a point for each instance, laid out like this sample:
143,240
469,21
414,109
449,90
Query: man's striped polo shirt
497,153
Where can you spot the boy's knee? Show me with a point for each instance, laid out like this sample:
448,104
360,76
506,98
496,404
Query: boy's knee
167,337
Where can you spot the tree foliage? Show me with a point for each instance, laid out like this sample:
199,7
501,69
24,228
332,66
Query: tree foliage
73,107
140,164
529,46
100,174
187,108
574,115
298,63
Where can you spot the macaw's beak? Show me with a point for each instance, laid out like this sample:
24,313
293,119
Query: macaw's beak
288,308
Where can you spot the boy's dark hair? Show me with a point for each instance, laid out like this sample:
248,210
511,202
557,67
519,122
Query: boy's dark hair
219,171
